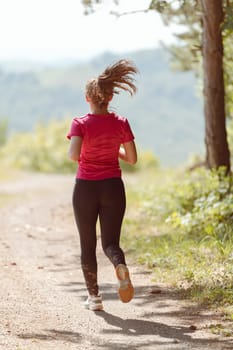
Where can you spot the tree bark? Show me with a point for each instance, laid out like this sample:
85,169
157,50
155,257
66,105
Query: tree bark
217,150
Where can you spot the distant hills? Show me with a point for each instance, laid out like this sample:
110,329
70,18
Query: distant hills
166,113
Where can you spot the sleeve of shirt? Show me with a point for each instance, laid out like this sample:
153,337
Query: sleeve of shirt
75,129
128,134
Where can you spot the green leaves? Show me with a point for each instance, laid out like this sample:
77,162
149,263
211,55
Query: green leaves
228,21
193,249
158,5
45,149
89,5
206,209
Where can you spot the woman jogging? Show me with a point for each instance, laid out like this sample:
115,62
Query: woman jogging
97,141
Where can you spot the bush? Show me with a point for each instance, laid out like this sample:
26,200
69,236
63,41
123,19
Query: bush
180,225
146,161
44,150
204,204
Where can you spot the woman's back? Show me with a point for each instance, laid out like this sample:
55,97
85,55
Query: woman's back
101,136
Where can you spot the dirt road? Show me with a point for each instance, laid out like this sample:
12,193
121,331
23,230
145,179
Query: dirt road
42,285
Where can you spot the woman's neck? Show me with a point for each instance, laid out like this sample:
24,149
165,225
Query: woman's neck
98,110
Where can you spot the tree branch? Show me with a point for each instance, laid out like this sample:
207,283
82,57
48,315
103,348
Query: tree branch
117,14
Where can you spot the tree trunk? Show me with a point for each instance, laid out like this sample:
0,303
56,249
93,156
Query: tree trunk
217,150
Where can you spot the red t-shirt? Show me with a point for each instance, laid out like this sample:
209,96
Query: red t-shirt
101,136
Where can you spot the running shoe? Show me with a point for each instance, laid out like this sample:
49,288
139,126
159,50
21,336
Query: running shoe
94,303
125,288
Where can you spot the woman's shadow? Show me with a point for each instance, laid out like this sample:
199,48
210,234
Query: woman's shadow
140,327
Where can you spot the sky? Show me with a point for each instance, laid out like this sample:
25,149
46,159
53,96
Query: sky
56,30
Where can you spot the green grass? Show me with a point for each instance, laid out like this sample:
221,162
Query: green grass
193,254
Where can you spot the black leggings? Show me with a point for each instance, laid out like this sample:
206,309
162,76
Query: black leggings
103,199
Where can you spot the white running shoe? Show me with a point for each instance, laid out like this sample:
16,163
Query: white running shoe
94,303
125,289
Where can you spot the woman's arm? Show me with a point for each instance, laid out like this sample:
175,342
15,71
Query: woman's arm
75,148
128,152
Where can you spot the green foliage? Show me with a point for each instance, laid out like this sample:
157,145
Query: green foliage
230,137
204,206
198,203
46,150
228,22
187,55
146,160
228,64
183,231
158,5
89,5
187,14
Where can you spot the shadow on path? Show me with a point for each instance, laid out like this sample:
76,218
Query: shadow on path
138,328
160,334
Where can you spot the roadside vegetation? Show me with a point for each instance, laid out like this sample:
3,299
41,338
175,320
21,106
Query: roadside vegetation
180,225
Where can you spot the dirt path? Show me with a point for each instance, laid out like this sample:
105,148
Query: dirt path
42,285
